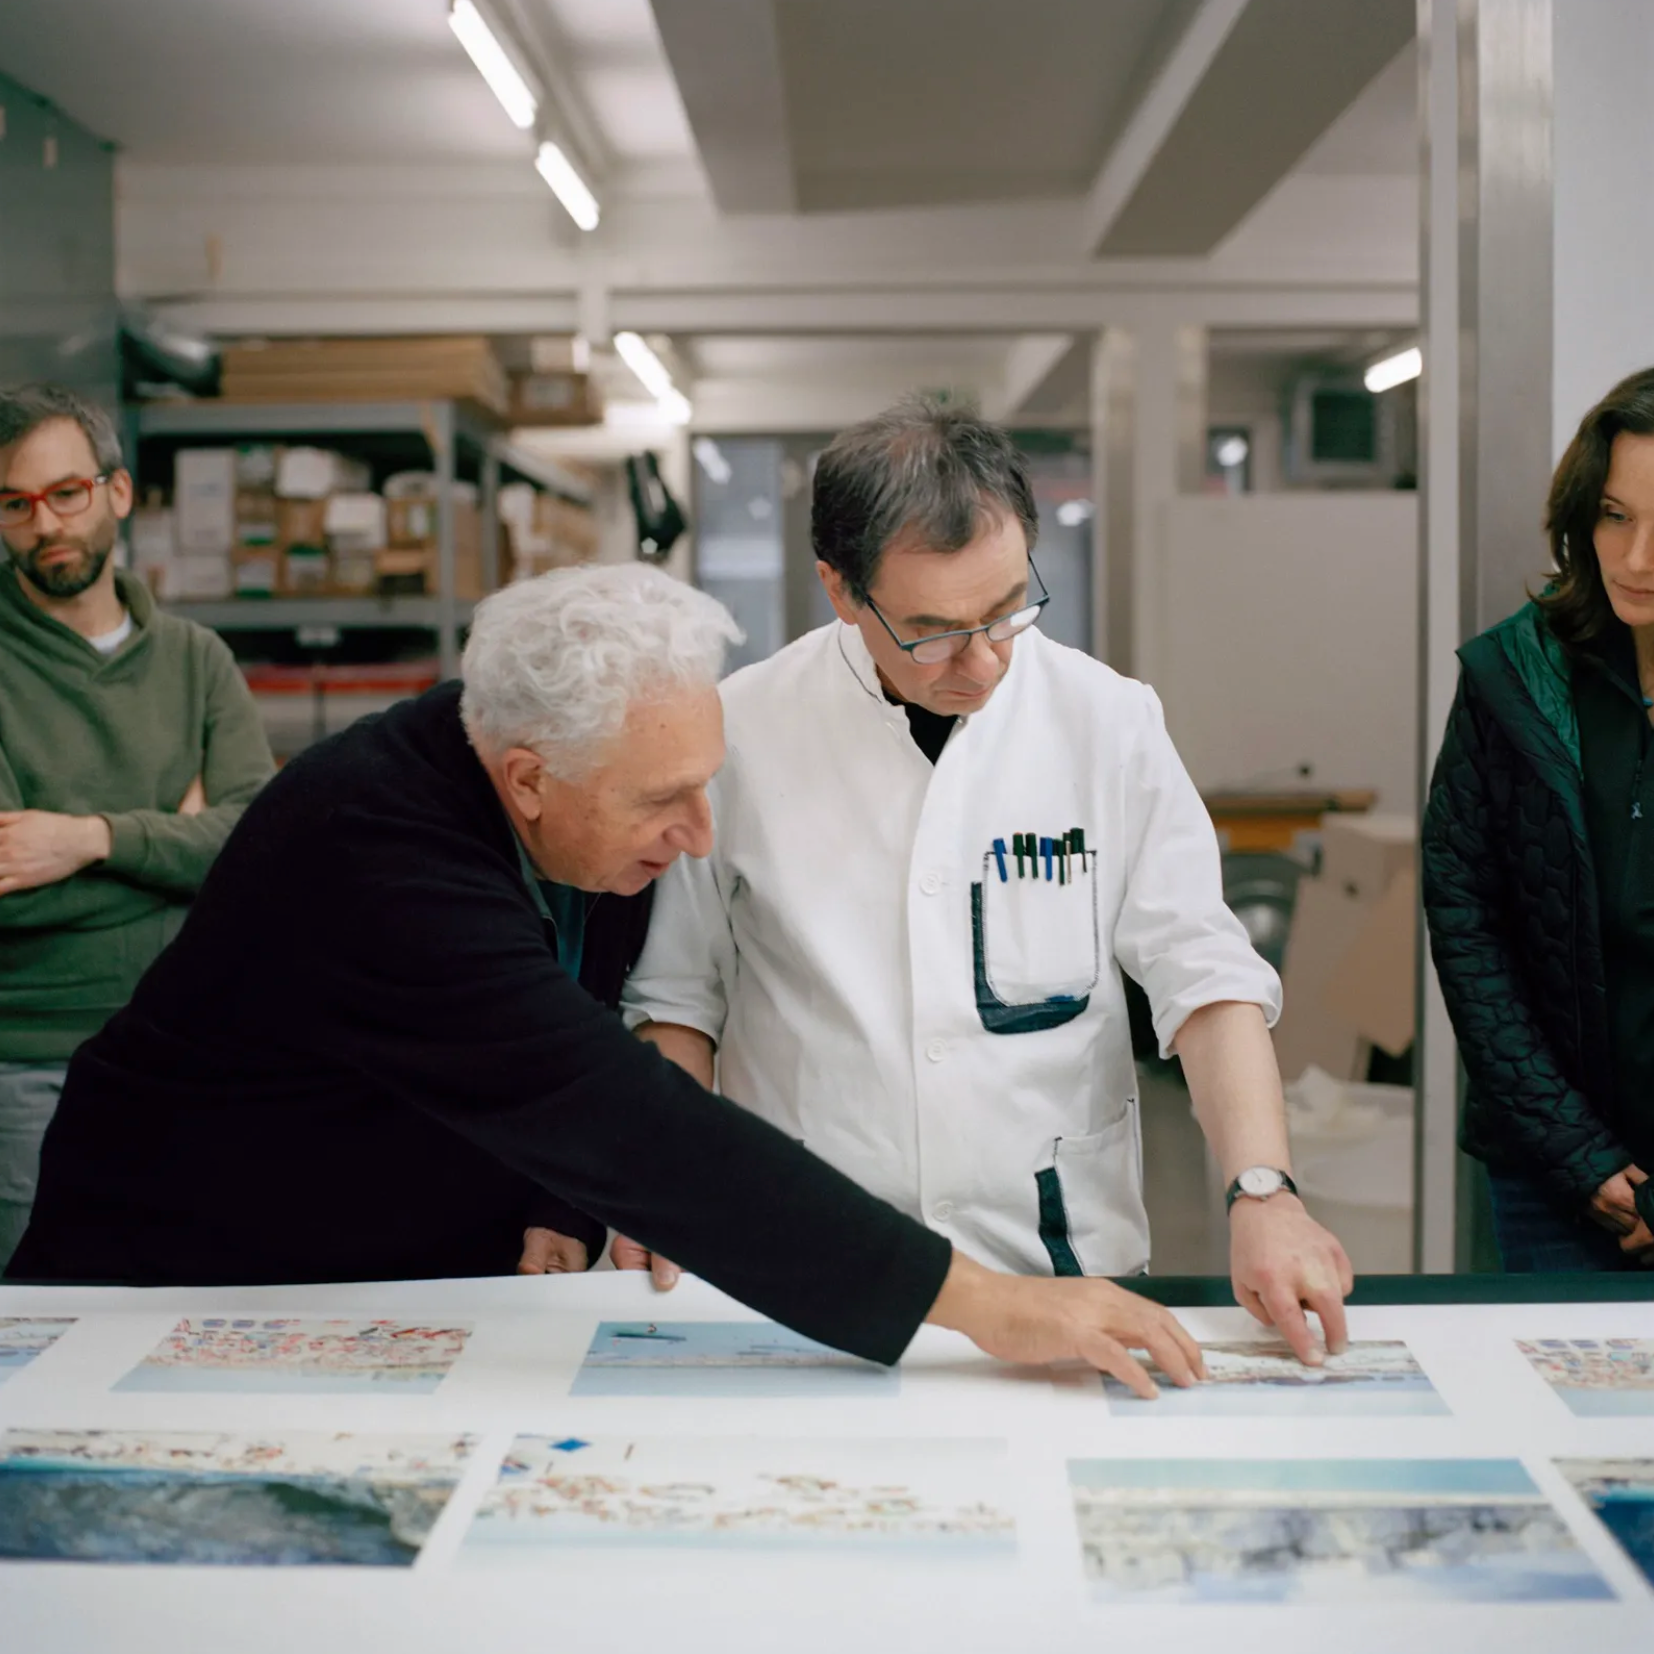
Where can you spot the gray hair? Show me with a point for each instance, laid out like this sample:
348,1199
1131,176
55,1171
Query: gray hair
25,408
553,663
925,466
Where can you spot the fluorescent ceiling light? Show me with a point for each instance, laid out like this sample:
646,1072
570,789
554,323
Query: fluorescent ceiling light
567,185
504,80
651,370
1395,370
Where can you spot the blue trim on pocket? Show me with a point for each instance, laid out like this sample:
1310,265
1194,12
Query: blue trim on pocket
1053,1224
997,1016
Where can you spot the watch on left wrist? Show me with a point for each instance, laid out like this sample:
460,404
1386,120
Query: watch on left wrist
1258,1183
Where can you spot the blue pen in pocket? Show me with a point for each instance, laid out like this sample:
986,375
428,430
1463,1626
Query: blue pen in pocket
999,857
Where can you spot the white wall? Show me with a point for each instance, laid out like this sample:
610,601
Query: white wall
1604,158
1288,634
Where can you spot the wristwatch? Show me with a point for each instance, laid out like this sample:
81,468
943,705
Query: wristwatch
1258,1183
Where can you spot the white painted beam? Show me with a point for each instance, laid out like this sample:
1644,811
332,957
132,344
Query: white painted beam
726,59
1030,361
1152,122
804,311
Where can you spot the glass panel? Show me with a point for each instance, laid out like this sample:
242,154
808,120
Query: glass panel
739,548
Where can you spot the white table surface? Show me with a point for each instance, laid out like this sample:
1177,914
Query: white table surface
529,1337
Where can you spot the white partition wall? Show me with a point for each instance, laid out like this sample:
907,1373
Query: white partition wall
1287,631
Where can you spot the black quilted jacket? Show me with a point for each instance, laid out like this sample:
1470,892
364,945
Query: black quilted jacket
1510,896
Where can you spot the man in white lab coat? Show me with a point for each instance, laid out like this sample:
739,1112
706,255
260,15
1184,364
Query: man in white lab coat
940,840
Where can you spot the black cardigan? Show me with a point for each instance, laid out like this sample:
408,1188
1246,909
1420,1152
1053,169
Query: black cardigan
361,1061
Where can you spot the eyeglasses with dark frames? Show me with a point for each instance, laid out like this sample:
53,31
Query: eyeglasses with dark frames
68,498
941,646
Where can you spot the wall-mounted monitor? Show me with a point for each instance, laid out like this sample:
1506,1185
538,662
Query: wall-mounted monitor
1338,434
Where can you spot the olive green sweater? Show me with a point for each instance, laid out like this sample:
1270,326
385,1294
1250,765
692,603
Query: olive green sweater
121,736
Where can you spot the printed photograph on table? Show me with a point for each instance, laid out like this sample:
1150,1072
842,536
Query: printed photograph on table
23,1337
1262,1378
220,1355
1323,1530
1621,1492
213,1499
722,1359
908,1498
1597,1377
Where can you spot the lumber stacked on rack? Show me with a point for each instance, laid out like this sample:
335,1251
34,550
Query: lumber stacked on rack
462,366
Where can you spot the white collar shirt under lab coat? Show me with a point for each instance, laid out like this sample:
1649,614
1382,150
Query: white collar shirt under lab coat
834,947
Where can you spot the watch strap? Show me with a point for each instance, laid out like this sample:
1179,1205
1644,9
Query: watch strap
1235,1192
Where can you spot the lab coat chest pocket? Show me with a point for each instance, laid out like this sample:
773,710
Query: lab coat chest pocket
1092,1218
1039,937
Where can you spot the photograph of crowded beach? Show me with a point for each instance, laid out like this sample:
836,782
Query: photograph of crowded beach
208,1498
1597,1377
722,1358
1323,1530
23,1337
220,1355
913,1497
1258,1378
1621,1492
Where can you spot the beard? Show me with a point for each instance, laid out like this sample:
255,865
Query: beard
70,578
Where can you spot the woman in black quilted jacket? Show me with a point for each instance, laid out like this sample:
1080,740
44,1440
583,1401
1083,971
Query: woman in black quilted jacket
1539,869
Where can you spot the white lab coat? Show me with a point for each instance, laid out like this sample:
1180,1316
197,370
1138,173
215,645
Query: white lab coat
834,947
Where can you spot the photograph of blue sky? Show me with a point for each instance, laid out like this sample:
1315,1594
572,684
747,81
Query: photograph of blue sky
1597,1377
1262,1378
24,1337
722,1359
1323,1530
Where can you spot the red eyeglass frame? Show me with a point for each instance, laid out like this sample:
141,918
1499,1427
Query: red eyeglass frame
40,499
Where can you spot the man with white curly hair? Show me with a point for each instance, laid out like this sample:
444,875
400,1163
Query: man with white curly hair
384,1045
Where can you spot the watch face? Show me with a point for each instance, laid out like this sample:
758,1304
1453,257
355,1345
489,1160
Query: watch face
1259,1181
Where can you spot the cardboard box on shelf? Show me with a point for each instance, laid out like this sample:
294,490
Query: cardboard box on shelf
314,473
411,521
255,518
554,398
197,577
203,494
306,570
152,541
355,522
255,467
366,369
301,523
355,573
403,572
256,573
1362,854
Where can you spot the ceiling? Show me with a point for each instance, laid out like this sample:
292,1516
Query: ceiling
895,104
788,107
299,81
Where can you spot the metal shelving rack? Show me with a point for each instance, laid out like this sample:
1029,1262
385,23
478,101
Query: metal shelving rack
445,426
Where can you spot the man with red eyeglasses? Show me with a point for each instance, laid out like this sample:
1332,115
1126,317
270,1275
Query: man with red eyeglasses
129,745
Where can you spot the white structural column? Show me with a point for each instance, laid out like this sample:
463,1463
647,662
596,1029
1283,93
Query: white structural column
1486,279
1604,155
1170,447
1113,524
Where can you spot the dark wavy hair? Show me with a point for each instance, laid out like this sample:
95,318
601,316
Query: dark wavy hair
924,466
1576,601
